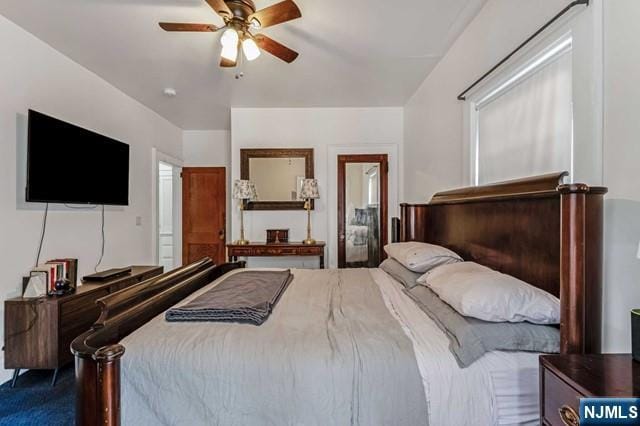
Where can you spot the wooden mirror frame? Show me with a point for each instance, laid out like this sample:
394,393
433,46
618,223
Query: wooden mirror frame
247,154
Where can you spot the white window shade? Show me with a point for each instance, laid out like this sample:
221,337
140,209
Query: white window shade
528,129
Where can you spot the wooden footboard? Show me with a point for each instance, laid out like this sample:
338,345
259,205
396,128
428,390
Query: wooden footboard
98,351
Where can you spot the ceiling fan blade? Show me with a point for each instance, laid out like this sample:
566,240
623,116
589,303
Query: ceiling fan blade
171,26
277,14
276,49
220,7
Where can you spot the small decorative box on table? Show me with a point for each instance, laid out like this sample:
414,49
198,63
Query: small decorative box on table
277,236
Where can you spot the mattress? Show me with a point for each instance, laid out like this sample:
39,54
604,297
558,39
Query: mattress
160,387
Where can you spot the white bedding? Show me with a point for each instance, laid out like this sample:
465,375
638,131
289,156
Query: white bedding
499,389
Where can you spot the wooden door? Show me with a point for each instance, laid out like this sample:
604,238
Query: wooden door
374,253
204,199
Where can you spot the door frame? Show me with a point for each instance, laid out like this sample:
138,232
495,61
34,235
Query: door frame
383,160
156,157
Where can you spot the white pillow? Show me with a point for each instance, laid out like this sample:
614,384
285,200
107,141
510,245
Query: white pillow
480,292
421,257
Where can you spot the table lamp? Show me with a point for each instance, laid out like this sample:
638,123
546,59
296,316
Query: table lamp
243,190
309,192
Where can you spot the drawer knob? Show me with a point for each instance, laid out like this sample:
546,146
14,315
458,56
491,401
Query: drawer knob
569,416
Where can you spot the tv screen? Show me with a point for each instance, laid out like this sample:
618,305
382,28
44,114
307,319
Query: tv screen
69,164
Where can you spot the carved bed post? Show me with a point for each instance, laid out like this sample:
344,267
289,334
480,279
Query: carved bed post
581,267
98,390
413,222
86,386
108,363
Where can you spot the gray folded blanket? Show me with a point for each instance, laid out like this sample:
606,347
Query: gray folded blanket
245,297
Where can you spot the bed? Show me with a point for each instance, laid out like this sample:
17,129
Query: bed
347,346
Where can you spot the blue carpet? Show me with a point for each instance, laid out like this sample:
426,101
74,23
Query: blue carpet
34,402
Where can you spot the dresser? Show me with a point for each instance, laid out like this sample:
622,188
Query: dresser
38,332
564,379
276,250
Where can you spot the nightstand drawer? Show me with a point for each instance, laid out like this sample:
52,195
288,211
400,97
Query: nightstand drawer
561,402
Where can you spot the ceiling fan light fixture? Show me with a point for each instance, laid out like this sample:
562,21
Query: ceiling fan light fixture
230,37
255,24
240,19
230,52
250,49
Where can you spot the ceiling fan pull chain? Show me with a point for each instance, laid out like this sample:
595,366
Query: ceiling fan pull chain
240,73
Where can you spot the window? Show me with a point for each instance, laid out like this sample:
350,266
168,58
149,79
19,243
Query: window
523,124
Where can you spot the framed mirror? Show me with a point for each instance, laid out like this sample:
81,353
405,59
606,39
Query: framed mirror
277,175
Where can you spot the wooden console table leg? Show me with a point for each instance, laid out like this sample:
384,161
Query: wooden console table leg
16,373
322,261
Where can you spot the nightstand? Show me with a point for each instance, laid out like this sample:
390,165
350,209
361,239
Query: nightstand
564,379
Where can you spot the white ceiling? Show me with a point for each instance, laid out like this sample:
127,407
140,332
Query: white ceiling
356,53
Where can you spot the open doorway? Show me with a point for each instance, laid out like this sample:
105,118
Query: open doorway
168,214
362,210
166,240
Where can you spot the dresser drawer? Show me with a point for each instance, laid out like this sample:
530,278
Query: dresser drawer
560,402
241,251
311,251
279,251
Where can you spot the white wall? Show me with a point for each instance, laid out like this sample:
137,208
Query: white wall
329,131
33,75
621,165
206,148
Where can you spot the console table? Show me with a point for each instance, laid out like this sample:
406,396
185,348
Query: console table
38,331
276,250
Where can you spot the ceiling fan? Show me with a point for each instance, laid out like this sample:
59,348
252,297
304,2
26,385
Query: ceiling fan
240,18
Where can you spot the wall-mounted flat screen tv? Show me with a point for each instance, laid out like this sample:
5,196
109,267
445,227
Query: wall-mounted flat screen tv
69,164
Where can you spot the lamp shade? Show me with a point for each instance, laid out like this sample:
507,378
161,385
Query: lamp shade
243,189
254,192
309,189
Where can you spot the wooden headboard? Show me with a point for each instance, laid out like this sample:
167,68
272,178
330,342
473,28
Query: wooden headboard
536,229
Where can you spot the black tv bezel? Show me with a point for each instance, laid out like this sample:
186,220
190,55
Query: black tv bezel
30,199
